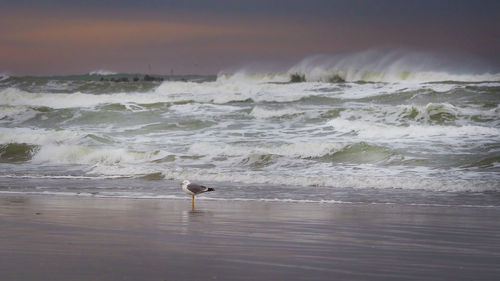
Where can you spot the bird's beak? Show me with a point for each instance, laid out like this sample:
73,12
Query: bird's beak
180,183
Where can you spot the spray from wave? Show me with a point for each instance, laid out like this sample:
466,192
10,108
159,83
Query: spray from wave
102,72
376,66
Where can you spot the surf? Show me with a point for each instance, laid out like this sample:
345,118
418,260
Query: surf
386,66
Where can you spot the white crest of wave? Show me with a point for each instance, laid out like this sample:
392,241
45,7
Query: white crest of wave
17,97
244,76
420,114
39,136
113,170
390,66
233,90
299,149
4,76
262,113
102,72
359,91
208,92
297,179
339,181
65,147
426,112
201,108
375,131
7,111
76,154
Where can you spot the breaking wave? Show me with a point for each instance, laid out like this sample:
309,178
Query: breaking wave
102,72
300,150
367,120
262,156
263,113
66,147
40,136
64,154
341,181
14,96
423,114
376,66
17,152
374,130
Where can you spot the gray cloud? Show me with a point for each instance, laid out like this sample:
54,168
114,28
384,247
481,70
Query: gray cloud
281,29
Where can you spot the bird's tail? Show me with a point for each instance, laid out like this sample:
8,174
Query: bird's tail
210,189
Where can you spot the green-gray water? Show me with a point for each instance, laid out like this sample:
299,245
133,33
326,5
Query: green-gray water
256,136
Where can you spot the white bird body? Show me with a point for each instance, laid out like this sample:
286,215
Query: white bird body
194,189
184,187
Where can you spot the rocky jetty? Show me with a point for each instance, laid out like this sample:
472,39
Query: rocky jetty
152,78
297,78
147,78
336,79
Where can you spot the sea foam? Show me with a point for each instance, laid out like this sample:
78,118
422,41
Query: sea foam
102,72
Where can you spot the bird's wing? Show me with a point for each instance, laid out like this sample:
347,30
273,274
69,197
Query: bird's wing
196,188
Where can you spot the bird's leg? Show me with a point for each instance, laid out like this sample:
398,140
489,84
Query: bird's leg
192,202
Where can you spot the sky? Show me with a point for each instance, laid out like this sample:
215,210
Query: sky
206,37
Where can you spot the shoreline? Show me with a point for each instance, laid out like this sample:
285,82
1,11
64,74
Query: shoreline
217,199
96,238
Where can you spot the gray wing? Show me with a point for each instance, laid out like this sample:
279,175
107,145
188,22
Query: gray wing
196,188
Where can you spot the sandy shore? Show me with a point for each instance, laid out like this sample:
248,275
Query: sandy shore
81,238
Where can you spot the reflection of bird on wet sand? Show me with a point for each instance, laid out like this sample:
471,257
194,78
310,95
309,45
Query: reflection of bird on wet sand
194,189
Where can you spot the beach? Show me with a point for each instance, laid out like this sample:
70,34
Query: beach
371,165
91,238
339,140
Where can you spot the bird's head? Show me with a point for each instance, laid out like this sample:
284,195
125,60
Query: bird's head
185,183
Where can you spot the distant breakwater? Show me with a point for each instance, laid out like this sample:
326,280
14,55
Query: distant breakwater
146,78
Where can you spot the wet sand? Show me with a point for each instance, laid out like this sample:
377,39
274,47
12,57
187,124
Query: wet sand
84,238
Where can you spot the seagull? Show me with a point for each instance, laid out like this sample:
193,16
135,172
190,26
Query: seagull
194,189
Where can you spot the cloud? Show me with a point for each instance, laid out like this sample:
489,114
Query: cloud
205,36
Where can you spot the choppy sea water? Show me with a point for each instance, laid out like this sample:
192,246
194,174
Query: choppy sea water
382,136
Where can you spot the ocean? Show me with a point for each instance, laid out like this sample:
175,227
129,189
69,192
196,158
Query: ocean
323,131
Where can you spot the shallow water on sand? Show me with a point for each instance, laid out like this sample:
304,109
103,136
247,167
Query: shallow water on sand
62,238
